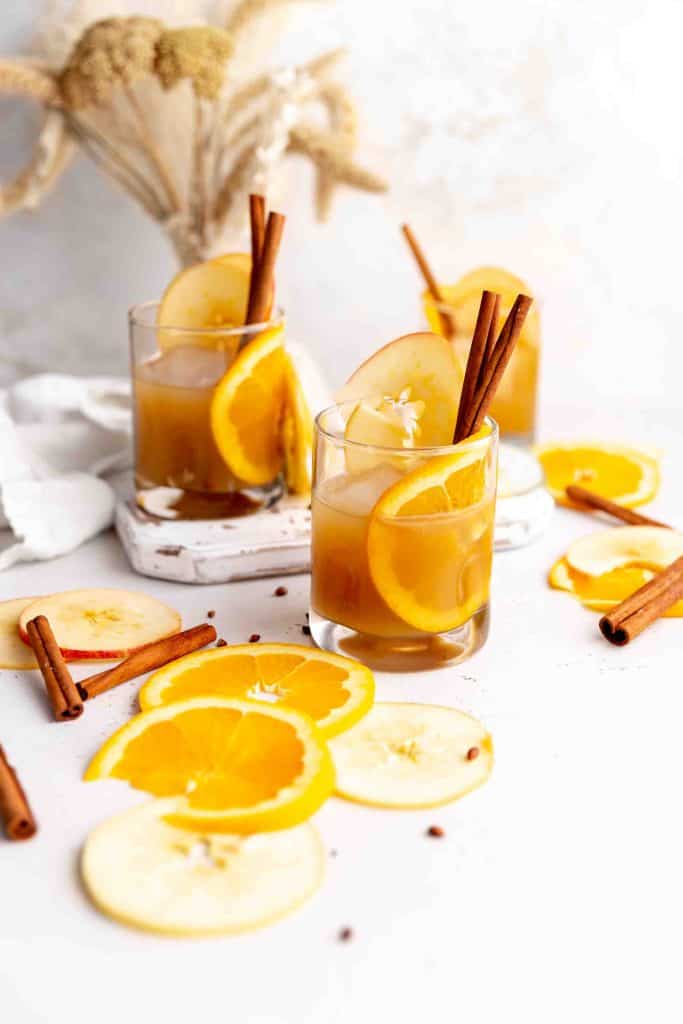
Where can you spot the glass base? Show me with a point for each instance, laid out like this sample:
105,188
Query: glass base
176,503
394,654
523,505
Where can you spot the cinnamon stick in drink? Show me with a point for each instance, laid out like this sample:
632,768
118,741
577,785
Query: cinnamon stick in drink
625,622
447,321
147,658
490,340
475,360
257,218
590,501
61,689
15,812
260,299
497,364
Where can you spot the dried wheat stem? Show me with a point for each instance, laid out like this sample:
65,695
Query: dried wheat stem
199,200
248,11
324,151
343,124
152,151
235,181
110,159
26,79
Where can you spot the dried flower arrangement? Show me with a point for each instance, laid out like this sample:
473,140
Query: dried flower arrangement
171,115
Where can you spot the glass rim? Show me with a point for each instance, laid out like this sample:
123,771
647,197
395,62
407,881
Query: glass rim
136,312
433,451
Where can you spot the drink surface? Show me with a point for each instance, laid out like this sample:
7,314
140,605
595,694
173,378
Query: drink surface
445,558
173,438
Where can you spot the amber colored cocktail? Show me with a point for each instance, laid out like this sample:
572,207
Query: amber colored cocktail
175,372
401,547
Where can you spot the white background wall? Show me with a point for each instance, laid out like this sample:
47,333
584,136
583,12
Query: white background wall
541,135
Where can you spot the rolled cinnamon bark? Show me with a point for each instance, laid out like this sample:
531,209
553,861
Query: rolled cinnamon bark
447,320
61,689
147,658
475,361
596,502
15,812
625,622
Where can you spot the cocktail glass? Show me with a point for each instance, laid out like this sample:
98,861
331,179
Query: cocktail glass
401,566
179,471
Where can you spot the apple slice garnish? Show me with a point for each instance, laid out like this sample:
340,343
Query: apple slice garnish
14,653
106,624
213,294
425,364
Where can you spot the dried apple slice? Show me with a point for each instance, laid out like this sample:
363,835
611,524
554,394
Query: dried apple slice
650,547
143,872
108,624
14,653
411,756
424,363
207,295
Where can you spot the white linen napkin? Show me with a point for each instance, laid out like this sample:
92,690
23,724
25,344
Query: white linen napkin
57,435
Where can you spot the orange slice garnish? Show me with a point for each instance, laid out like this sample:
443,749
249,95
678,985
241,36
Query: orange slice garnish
247,409
430,565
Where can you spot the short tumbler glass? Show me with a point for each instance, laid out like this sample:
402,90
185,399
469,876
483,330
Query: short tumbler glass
401,547
179,471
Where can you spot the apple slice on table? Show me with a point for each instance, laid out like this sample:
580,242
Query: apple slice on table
422,362
14,653
107,624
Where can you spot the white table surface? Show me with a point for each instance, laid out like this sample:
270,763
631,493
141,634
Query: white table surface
554,896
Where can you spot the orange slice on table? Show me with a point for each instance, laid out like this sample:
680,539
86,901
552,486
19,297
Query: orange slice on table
335,691
235,766
629,476
213,294
432,572
604,568
464,297
247,409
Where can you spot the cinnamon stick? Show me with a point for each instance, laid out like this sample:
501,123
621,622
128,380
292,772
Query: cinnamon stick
260,300
625,622
257,218
15,812
147,658
588,501
475,360
497,364
447,321
61,689
490,340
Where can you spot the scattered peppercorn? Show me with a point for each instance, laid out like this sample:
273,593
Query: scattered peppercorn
473,753
333,852
254,638
345,934
221,642
306,630
307,616
435,832
280,591
211,614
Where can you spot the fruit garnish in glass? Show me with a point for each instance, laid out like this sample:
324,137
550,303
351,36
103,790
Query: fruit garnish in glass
404,497
220,416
